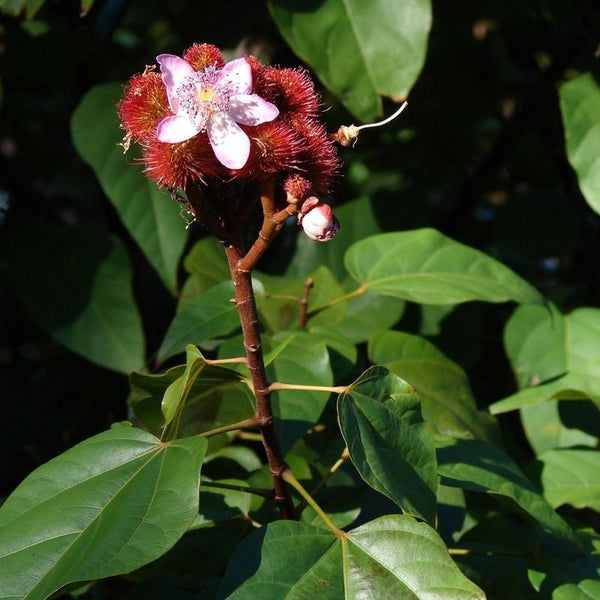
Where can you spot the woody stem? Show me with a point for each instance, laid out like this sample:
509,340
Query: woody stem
246,306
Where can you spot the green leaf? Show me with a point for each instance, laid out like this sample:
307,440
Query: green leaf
360,50
303,360
214,399
578,384
210,315
151,217
443,387
388,442
426,266
480,466
105,507
196,369
570,476
580,106
84,277
560,424
391,557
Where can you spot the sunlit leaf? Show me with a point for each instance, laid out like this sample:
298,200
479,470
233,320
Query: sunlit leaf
580,106
570,476
360,50
443,387
84,277
426,266
151,217
388,442
391,557
106,506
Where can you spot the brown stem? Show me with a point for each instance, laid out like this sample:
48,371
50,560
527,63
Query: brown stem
246,306
308,285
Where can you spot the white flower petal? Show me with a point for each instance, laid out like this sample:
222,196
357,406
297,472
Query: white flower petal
251,109
236,76
174,71
175,129
229,143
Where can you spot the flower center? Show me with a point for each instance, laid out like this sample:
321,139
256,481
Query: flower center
199,95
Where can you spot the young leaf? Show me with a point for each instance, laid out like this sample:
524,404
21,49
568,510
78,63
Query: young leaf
360,50
480,466
570,476
210,315
425,266
391,557
580,106
105,507
178,392
151,217
442,386
84,278
388,442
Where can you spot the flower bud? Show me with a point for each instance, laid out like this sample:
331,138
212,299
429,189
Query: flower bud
318,221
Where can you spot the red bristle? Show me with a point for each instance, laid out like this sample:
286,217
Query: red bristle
143,106
295,92
201,56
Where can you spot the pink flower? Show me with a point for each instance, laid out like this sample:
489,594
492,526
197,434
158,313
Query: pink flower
212,100
318,221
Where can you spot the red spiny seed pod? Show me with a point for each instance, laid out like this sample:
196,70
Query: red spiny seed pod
173,166
295,92
201,56
143,106
319,160
297,186
275,147
203,121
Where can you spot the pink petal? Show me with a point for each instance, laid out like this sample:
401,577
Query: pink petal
251,109
236,76
174,71
175,129
230,144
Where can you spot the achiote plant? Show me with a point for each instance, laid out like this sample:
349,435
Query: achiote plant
311,449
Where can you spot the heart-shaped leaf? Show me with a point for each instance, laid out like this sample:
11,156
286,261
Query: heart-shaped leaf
425,266
391,557
380,418
580,106
360,50
105,507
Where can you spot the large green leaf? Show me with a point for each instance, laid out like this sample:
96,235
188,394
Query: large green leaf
77,285
391,557
151,217
361,50
443,387
210,315
106,506
482,467
580,106
425,266
570,476
388,442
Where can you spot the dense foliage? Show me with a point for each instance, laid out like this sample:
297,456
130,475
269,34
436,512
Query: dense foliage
419,415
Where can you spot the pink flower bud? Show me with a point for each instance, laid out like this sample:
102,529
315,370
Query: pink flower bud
318,221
